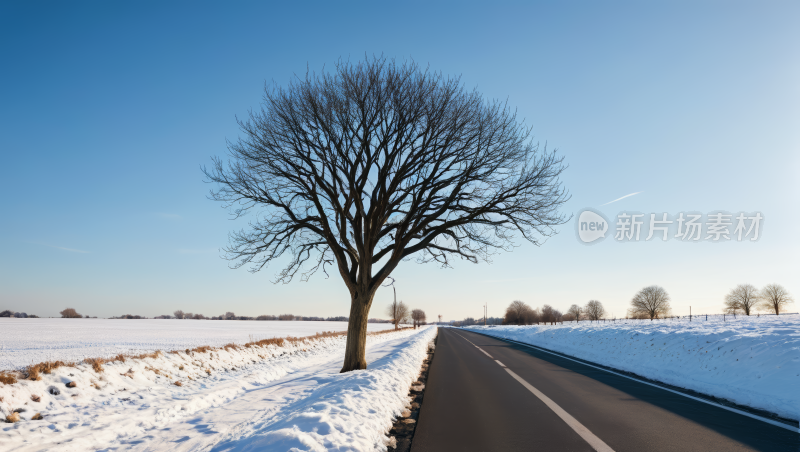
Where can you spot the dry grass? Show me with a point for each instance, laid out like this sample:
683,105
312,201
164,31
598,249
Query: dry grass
96,363
36,398
7,378
178,383
34,372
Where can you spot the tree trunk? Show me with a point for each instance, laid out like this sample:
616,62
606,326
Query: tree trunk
355,351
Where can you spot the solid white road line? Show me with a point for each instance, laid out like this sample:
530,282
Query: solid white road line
734,410
596,443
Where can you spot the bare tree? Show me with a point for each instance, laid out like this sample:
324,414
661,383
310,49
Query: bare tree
377,162
188,315
517,313
398,312
744,297
594,310
178,314
575,312
550,314
652,301
418,315
775,297
440,318
70,313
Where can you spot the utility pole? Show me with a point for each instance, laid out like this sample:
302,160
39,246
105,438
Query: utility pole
690,313
484,315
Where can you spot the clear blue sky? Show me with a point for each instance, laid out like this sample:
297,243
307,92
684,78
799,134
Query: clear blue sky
108,110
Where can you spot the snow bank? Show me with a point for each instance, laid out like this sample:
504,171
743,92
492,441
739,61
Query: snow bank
30,341
346,412
753,361
129,403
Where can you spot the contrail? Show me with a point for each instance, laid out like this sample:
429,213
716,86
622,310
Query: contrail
621,198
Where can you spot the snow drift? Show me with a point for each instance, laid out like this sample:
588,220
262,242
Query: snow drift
752,361
156,402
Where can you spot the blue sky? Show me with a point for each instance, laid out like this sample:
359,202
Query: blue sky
108,111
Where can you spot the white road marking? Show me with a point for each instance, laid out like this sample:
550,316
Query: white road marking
484,351
596,443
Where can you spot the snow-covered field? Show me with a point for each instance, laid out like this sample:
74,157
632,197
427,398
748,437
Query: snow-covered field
256,398
753,362
30,341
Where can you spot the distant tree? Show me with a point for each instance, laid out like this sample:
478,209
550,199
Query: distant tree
70,313
188,315
286,317
7,313
376,163
744,297
199,317
398,312
550,314
178,314
652,301
775,297
229,316
418,315
440,318
575,312
594,310
520,313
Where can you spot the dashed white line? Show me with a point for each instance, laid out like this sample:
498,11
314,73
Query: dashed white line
596,443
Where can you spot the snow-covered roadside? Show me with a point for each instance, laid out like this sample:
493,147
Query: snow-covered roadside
754,363
128,403
343,412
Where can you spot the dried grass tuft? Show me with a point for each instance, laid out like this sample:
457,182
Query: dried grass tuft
36,398
7,379
13,417
97,363
178,383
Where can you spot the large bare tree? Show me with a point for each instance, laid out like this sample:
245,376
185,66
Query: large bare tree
744,297
775,298
377,162
398,312
652,302
594,310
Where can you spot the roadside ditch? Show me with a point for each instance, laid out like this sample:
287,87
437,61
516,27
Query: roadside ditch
402,432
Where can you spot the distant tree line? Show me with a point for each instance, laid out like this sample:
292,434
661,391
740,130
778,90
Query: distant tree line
746,298
18,315
651,302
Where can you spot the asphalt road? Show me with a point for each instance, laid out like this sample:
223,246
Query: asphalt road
473,403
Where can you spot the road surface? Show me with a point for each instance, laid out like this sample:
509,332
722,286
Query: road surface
484,394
